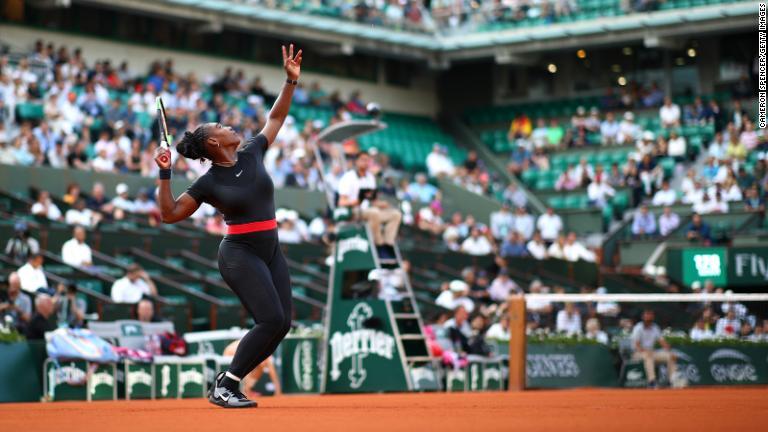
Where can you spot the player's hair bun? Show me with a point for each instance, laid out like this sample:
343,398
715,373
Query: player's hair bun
192,144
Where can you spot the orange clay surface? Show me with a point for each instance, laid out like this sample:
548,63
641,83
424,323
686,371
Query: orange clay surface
703,409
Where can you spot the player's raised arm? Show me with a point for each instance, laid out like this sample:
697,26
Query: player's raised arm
279,111
171,210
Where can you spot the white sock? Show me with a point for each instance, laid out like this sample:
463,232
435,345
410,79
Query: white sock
231,376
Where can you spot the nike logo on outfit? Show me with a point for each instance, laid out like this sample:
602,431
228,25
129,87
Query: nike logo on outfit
238,174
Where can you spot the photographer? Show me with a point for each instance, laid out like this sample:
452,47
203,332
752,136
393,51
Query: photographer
15,304
70,309
21,245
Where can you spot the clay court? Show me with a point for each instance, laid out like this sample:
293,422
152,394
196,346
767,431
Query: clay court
573,410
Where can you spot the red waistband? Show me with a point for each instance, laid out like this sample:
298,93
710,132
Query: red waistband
252,227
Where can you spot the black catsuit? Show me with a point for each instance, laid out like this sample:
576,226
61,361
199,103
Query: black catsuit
251,264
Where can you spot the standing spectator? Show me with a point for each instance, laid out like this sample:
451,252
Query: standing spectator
133,286
668,221
569,320
549,225
15,304
515,196
644,223
698,230
536,247
502,287
357,191
21,245
557,248
609,129
41,320
524,223
574,250
476,243
32,275
44,207
502,222
669,113
664,196
75,251
645,335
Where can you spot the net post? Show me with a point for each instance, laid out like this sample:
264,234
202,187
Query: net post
517,341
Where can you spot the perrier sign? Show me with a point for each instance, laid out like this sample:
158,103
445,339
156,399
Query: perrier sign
361,354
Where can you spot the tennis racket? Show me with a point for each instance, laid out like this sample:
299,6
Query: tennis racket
165,138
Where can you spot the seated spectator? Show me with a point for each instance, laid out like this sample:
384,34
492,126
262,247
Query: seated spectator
521,127
513,246
645,336
438,162
583,172
698,230
567,181
644,223
609,129
429,218
524,223
668,221
80,215
455,294
133,286
459,330
594,333
728,326
568,320
215,224
664,196
628,130
72,194
539,312
555,134
557,248
32,275
694,195
574,250
288,232
122,201
75,251
740,310
502,222
500,330
15,305
502,287
514,196
700,331
22,244
539,134
669,114
421,190
98,201
536,247
44,207
647,144
753,201
606,308
599,193
102,162
145,311
41,321
144,205
735,149
676,146
476,243
549,225
70,309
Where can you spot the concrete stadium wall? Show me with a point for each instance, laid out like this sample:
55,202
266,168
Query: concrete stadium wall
420,99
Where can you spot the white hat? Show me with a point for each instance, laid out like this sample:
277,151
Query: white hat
648,136
602,290
629,116
318,124
292,215
281,214
298,153
121,188
458,286
696,285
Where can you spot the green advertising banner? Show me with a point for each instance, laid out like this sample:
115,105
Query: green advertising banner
361,354
139,380
166,380
739,266
558,366
718,365
300,372
66,380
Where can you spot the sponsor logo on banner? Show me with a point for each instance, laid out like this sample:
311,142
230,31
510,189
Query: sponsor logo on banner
356,243
740,371
193,376
686,367
71,375
751,265
357,344
165,380
552,366
708,265
303,366
100,378
422,374
138,377
491,375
